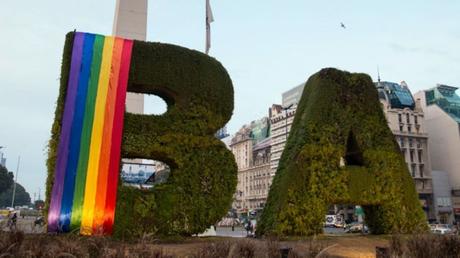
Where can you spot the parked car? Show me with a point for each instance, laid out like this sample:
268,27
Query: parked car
356,227
442,229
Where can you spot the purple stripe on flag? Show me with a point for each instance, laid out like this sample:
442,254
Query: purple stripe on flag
63,147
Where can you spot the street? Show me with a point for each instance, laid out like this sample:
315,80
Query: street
241,232
227,232
24,224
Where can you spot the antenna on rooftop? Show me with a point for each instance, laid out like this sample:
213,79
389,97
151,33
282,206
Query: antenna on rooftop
378,74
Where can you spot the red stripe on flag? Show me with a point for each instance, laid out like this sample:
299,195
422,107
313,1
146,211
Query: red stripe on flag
116,137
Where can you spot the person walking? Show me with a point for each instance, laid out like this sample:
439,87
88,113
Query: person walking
12,221
248,227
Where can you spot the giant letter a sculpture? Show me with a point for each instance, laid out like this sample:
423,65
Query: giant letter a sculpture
341,151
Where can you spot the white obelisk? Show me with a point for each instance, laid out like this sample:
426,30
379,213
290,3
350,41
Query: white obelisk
131,22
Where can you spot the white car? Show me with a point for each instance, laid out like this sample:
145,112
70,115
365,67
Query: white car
441,229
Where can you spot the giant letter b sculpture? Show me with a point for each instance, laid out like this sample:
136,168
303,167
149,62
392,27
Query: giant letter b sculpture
91,133
341,151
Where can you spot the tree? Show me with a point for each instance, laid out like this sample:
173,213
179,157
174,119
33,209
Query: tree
21,197
6,179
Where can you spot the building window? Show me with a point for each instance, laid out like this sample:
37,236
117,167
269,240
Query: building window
421,168
409,129
411,156
415,120
401,141
413,170
420,156
443,202
410,143
400,118
408,118
400,128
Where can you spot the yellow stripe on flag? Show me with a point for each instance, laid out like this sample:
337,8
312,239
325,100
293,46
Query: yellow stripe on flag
96,139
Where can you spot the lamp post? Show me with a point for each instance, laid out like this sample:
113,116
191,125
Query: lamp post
15,182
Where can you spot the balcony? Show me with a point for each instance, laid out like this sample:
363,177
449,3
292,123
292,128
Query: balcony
418,177
412,133
425,190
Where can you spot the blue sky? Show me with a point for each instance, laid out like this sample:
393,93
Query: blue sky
267,47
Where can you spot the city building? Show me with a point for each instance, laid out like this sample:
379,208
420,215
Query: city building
441,106
281,118
442,196
281,121
292,96
406,120
222,133
251,148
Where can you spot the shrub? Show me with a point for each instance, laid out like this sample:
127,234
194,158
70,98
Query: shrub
339,116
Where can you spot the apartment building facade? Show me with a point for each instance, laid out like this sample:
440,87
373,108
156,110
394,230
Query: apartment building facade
406,120
251,147
441,106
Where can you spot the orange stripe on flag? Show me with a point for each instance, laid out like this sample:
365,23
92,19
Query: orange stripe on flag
116,138
99,207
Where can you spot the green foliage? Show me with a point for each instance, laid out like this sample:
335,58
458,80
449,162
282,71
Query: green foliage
21,197
199,94
6,190
6,179
339,116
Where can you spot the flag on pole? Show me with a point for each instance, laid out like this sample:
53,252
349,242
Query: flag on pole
209,19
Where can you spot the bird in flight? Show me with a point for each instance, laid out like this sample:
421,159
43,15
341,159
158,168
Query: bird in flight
342,25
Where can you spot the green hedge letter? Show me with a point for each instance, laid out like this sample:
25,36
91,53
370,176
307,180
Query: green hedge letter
199,95
341,151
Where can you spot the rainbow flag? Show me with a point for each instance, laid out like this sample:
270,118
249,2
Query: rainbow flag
87,164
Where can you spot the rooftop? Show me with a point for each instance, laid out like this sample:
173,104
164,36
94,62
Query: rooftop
397,95
445,97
